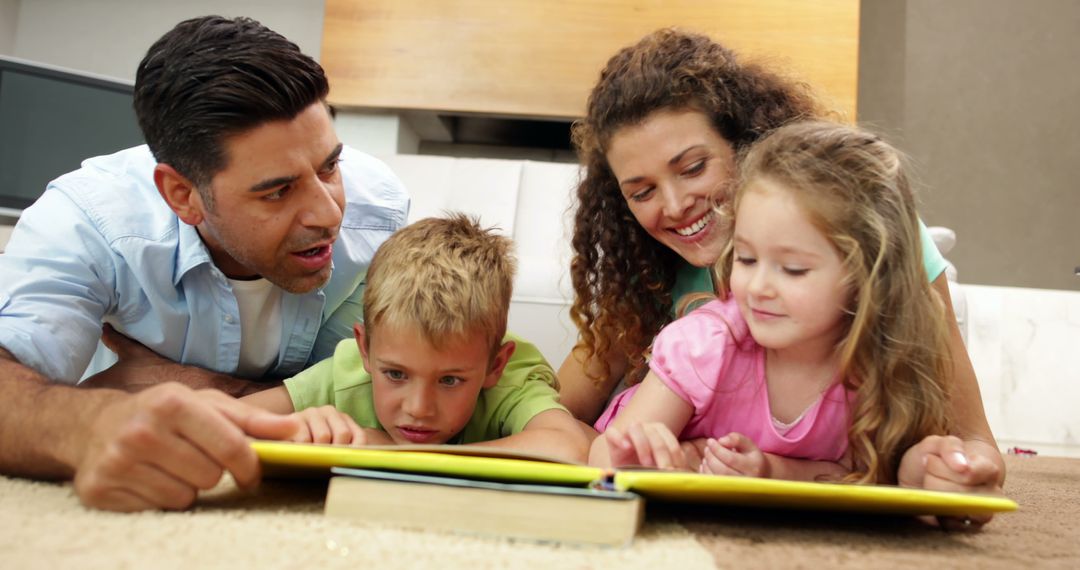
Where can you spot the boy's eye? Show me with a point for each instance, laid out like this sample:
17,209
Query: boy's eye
394,374
450,381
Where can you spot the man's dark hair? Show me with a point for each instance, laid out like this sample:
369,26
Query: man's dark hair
212,77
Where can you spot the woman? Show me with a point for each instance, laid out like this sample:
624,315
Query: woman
662,128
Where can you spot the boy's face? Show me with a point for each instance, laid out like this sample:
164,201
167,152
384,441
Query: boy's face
425,395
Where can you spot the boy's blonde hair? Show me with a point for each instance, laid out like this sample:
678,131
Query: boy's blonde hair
895,355
448,277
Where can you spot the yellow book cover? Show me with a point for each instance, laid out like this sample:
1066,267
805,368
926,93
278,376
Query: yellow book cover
497,465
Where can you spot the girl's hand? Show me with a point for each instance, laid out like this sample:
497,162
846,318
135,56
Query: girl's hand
947,463
734,454
651,445
326,424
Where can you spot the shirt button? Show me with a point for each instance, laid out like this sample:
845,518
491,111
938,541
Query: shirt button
229,319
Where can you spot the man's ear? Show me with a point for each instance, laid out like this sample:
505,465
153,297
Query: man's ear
362,343
498,364
180,194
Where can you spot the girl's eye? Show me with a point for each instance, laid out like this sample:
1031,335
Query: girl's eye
794,272
744,260
450,381
394,374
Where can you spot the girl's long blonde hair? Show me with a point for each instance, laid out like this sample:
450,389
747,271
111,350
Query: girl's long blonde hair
895,355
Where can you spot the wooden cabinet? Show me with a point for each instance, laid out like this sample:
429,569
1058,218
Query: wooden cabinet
540,58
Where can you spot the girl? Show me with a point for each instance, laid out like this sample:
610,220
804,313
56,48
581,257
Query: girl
661,127
826,354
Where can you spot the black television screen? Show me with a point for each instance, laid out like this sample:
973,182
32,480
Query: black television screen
51,119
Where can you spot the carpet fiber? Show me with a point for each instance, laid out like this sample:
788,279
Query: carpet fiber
281,525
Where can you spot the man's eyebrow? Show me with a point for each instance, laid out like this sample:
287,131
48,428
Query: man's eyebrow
334,155
272,183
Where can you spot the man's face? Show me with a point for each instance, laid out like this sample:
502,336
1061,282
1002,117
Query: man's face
425,394
278,202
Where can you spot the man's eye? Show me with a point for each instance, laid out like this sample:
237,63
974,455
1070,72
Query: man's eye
332,166
276,194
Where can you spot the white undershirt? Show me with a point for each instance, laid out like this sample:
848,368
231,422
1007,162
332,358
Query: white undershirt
259,302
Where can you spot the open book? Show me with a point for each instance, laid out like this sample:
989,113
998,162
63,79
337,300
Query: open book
465,464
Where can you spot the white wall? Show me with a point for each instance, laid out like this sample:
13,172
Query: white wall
110,37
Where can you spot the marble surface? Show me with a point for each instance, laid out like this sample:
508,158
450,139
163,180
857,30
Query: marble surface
1025,345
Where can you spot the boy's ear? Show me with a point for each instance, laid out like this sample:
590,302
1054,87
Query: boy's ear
498,364
362,343
180,194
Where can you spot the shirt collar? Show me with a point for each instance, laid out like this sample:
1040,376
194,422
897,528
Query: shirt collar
191,252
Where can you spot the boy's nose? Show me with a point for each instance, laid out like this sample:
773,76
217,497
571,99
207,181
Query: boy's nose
420,403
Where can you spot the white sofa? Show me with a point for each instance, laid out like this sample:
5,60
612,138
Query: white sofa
530,202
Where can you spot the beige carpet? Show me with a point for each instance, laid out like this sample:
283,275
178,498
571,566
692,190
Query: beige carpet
282,527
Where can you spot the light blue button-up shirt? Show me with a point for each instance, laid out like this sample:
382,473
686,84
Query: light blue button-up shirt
101,246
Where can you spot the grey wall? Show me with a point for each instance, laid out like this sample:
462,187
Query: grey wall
983,94
109,37
9,15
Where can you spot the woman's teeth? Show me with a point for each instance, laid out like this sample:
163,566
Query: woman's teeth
695,227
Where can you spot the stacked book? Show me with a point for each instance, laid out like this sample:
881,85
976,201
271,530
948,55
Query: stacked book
487,491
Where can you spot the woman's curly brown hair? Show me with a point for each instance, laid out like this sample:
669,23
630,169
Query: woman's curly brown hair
622,277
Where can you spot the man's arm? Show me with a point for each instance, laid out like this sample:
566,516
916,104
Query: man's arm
128,452
139,368
553,432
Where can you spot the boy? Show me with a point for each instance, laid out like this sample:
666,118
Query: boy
429,364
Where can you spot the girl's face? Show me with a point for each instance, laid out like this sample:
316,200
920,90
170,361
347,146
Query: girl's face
787,278
672,168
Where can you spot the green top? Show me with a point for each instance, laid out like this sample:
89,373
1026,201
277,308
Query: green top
527,388
690,279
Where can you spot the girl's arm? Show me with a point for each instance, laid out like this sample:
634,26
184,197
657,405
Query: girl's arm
583,396
736,454
634,433
551,432
966,410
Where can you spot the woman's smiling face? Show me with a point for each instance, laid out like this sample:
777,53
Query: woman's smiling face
672,169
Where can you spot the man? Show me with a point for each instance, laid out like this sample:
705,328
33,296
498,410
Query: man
234,245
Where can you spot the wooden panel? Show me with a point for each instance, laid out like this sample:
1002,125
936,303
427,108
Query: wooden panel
539,58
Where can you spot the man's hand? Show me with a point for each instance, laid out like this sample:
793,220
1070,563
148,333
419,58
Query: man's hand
157,448
734,454
948,463
140,368
325,424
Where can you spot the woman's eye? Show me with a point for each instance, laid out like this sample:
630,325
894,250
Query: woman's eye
642,195
695,168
